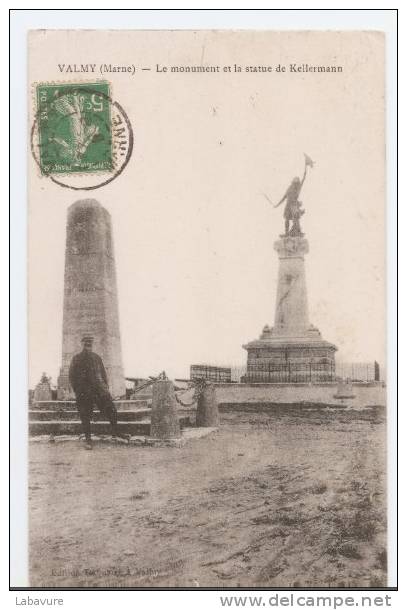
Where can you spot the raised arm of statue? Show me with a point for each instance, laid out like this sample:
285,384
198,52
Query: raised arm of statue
304,175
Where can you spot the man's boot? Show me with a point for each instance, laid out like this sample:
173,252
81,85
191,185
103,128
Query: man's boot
116,434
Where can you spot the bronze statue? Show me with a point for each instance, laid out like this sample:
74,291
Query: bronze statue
293,207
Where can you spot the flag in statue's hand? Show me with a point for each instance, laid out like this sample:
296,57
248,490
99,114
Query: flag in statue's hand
308,161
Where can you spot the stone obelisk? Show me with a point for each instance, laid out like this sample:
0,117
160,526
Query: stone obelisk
90,293
293,350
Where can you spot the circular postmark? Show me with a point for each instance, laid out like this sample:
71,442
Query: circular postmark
80,138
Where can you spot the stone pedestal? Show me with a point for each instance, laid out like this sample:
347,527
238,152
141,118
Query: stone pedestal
293,350
207,413
291,315
90,294
164,419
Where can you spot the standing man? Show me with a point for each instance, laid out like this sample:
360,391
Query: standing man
87,376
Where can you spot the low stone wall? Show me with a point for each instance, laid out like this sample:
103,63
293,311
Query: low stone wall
61,405
365,394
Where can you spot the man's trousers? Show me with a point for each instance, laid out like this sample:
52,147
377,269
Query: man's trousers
85,401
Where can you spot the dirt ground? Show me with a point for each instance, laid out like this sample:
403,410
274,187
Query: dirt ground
288,497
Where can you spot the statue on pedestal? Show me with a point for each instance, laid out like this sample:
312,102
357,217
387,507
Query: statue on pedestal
293,207
293,350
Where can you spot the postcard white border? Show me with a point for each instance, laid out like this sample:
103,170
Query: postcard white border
21,22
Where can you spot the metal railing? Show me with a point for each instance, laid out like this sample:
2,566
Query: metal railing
359,371
301,372
292,372
217,374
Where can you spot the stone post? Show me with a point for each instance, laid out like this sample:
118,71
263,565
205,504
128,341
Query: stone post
164,419
207,414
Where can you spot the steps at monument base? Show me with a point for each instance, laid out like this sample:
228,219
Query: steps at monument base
123,416
58,427
143,396
70,405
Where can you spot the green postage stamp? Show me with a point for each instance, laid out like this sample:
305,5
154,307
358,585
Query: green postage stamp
74,128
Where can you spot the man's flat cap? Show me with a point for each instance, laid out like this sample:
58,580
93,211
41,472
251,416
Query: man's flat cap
87,339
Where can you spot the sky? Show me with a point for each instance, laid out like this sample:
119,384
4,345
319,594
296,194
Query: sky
193,232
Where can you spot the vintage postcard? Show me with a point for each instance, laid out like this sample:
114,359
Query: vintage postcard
207,309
